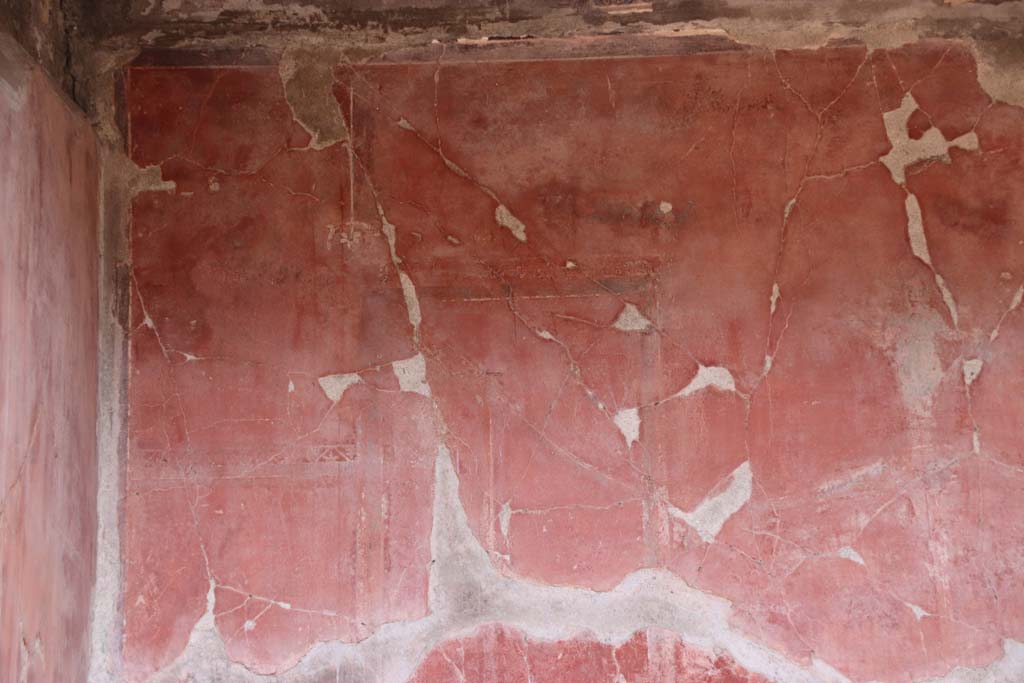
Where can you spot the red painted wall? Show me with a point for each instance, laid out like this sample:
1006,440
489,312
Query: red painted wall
746,319
48,317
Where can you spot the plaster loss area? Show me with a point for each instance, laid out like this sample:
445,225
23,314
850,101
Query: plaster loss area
464,367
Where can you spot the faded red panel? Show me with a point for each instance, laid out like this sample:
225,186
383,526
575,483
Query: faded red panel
306,503
49,194
498,653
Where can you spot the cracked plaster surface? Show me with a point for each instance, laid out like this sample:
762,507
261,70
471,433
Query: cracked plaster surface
837,440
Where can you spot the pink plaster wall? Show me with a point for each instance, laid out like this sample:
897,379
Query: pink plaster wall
48,317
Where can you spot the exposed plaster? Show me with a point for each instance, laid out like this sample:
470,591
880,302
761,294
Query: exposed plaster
905,152
506,220
412,374
628,422
630,319
467,592
972,368
848,553
708,518
1007,669
334,386
308,78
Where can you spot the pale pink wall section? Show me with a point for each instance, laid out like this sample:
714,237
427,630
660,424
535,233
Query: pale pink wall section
48,318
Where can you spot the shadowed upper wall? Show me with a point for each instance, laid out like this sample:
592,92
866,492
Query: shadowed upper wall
48,311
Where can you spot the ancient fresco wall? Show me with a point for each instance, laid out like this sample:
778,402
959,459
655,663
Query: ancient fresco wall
488,365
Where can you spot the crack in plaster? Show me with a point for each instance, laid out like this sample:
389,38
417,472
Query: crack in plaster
505,219
1018,296
906,152
503,216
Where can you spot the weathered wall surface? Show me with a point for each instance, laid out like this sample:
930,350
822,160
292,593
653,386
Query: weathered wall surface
55,33
48,299
485,363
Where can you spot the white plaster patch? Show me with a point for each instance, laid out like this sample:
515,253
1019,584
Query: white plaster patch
947,298
412,302
708,518
334,386
628,422
915,230
907,151
788,209
776,295
972,368
507,220
505,518
709,376
570,265
631,320
665,207
848,553
918,612
412,374
919,247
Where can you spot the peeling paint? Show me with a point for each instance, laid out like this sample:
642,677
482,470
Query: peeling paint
630,319
505,219
334,386
708,518
412,374
308,78
628,422
712,376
